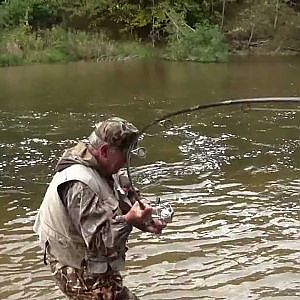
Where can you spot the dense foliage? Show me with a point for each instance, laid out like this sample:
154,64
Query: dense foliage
193,30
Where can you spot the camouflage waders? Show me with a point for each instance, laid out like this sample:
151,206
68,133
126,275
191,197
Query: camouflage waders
78,285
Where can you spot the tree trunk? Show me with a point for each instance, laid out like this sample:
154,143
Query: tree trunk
223,13
276,15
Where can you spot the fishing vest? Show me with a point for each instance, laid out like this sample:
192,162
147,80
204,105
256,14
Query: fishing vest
58,234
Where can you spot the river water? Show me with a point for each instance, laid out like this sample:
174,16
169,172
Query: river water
231,174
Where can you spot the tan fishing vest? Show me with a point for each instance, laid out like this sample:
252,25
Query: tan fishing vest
55,228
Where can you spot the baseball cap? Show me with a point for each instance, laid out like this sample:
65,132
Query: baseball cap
116,132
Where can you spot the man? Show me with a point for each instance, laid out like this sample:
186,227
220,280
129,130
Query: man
88,212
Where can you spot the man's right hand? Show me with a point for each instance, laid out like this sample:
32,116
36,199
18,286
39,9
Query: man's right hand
141,218
139,215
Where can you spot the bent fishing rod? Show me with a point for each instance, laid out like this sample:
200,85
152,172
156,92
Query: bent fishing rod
267,100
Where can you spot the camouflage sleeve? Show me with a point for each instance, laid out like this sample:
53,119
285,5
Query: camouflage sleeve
90,219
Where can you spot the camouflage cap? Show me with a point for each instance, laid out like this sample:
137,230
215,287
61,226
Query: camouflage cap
116,132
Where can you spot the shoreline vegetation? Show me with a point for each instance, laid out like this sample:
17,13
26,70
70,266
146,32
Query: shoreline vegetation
39,31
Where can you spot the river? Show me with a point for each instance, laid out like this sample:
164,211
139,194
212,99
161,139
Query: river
231,174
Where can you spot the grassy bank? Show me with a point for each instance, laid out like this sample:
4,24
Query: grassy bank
35,31
21,45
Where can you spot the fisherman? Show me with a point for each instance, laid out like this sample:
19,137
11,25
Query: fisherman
88,212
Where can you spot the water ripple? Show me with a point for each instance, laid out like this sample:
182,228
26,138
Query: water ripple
235,190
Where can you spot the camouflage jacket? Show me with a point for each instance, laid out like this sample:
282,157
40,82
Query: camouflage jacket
91,216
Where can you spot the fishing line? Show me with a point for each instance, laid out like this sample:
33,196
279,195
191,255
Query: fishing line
267,100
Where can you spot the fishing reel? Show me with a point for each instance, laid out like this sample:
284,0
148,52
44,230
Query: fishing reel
162,212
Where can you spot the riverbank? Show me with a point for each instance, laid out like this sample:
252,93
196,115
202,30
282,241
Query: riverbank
240,29
22,45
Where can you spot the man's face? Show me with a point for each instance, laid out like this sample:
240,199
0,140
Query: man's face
110,159
116,159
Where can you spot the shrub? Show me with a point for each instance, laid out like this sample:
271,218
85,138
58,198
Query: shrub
205,43
20,46
134,50
88,46
23,46
10,60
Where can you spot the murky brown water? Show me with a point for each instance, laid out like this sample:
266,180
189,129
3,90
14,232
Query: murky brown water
232,176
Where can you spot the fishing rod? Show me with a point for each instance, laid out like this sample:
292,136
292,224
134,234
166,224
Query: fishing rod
267,100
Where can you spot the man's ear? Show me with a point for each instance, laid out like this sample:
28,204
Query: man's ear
104,150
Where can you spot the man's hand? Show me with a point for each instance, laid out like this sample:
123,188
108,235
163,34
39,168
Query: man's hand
155,226
141,218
